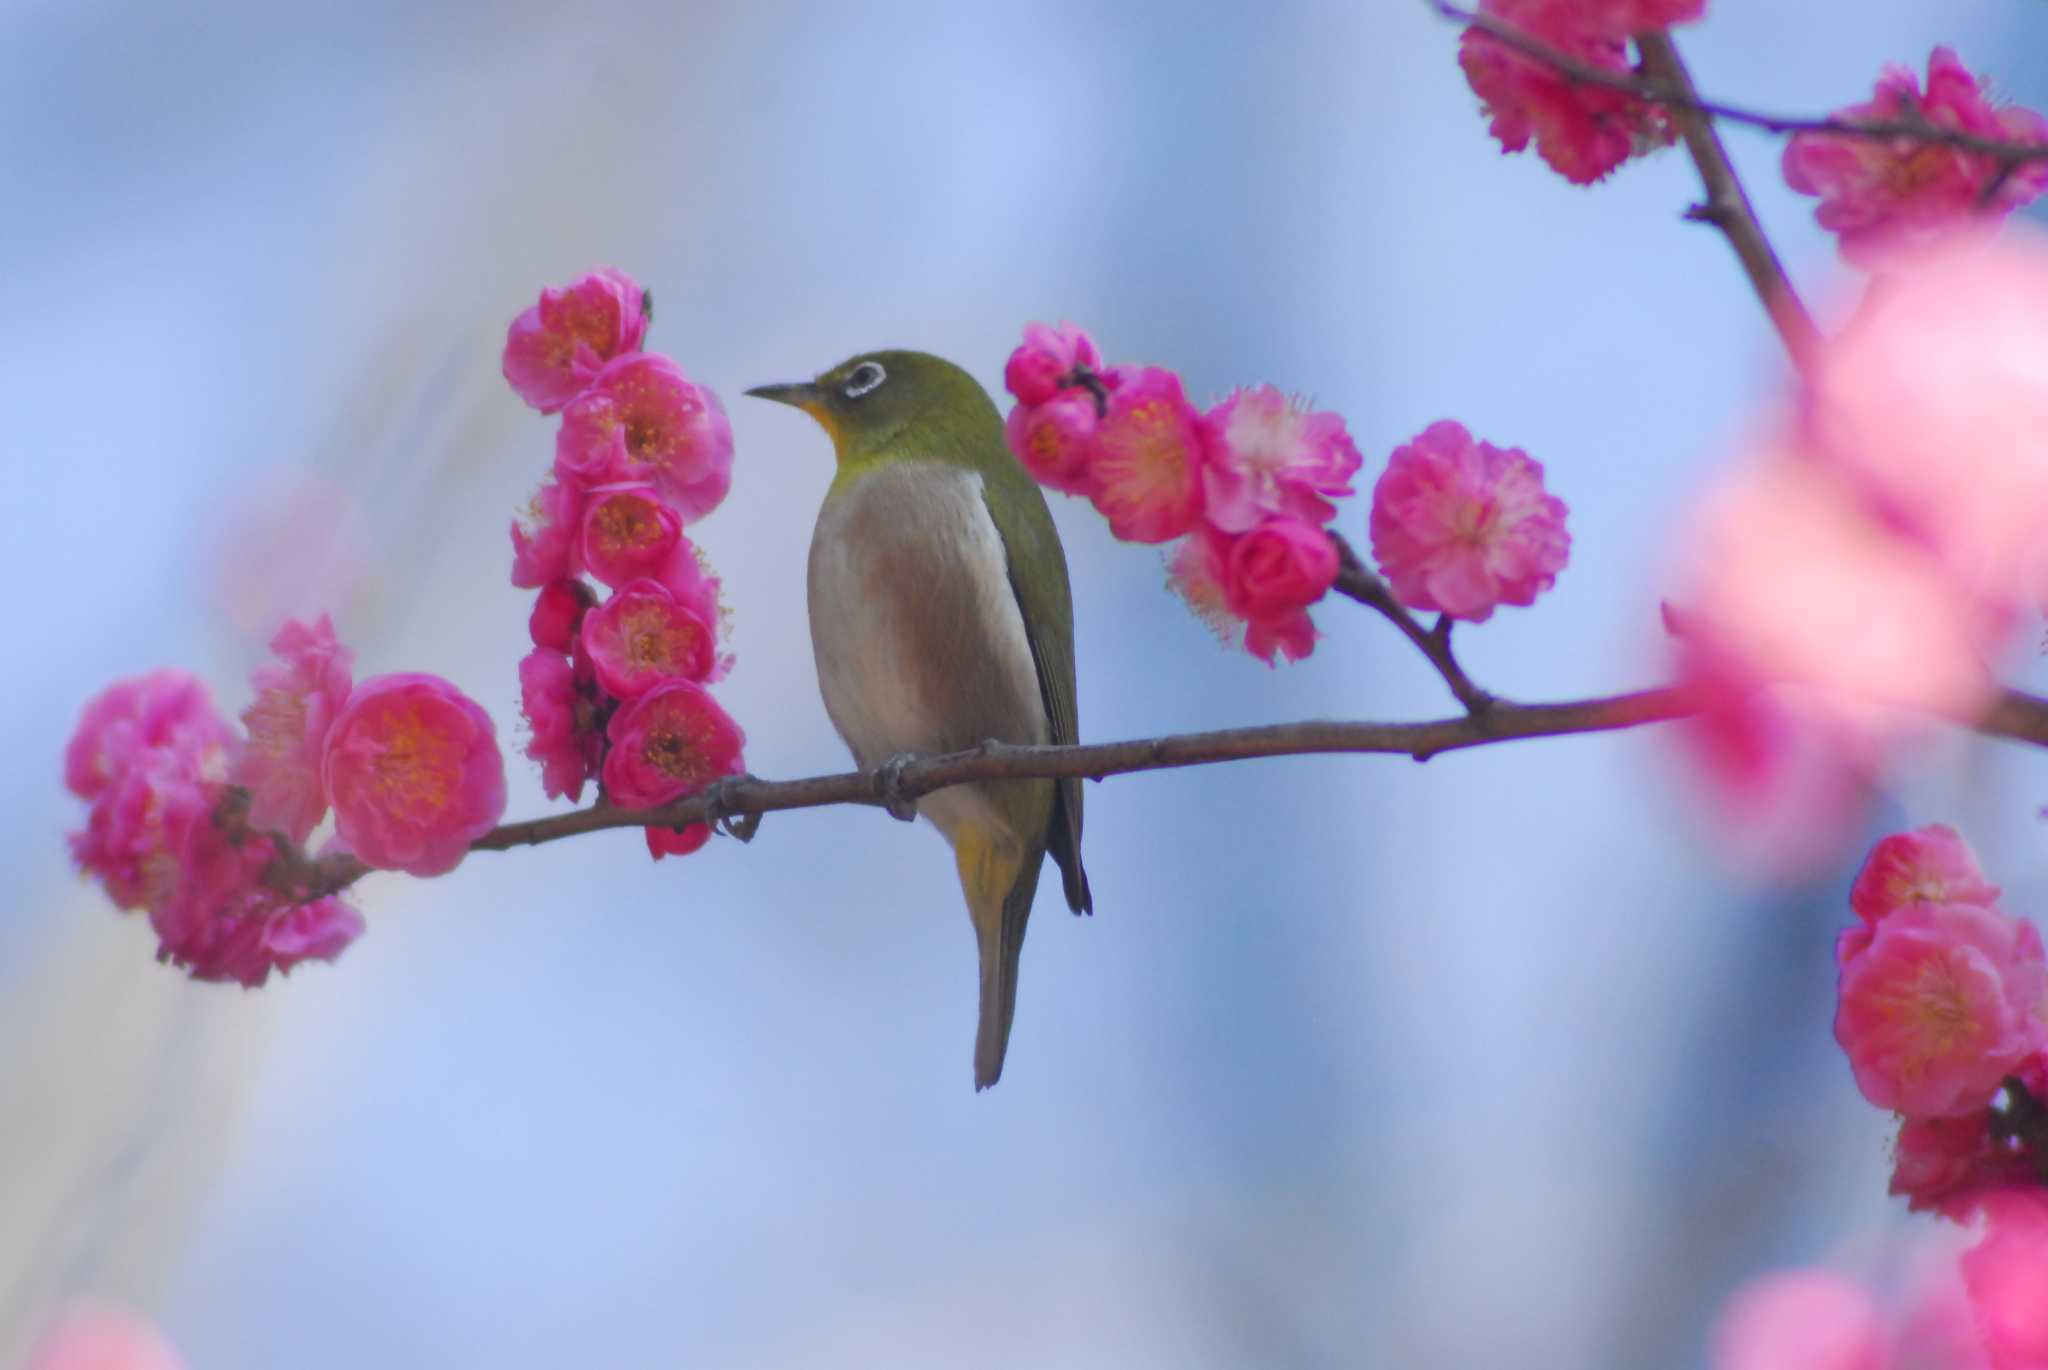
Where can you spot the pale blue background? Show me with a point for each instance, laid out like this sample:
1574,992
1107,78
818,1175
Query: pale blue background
1490,1061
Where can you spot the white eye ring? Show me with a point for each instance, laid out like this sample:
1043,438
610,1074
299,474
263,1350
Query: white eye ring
865,377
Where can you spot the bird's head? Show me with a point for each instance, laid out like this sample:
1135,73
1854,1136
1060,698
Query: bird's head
883,402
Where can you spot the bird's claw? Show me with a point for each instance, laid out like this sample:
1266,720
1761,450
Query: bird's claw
718,809
889,784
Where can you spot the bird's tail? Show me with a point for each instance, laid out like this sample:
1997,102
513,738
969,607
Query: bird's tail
999,878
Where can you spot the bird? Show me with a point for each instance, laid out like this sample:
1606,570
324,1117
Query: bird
941,617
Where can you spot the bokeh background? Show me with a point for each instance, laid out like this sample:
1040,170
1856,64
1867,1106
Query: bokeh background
1498,1059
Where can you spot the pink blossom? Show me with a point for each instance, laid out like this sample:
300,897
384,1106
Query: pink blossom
1147,458
222,922
1582,130
1800,1320
1939,1005
672,741
1461,526
546,547
1931,404
1054,440
628,533
1266,454
555,349
1951,1165
1621,18
1884,195
136,828
297,697
558,613
102,1337
1816,638
641,636
562,713
2006,1275
414,773
1044,364
1931,865
134,714
677,841
643,420
1199,572
1280,566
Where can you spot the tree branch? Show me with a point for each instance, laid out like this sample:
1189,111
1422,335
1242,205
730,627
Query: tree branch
1727,207
1356,581
2016,716
1673,96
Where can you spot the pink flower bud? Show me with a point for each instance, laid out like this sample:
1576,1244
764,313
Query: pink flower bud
561,712
1932,865
628,533
1053,439
672,741
414,773
1938,1005
1265,454
546,547
641,637
642,420
1278,567
297,698
677,841
1462,527
1043,365
1147,460
555,349
558,613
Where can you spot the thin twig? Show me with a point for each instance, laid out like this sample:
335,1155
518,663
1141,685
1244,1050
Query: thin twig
1727,207
1356,581
1672,96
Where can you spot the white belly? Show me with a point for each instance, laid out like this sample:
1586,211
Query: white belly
919,642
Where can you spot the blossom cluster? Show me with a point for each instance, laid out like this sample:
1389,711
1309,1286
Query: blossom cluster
1885,195
1582,129
1458,526
1247,484
1941,1003
615,689
203,825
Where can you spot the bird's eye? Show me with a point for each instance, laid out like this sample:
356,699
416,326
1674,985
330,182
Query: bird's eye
865,377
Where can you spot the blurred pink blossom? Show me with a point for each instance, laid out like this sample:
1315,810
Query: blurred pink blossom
155,710
1887,195
413,771
90,1336
545,545
1951,1165
561,714
297,697
1801,1320
554,349
1461,526
2006,1275
1935,400
1620,18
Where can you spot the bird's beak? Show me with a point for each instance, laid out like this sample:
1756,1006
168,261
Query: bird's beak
802,394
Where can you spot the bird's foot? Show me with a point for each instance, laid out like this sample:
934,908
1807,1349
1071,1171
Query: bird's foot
719,802
889,785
